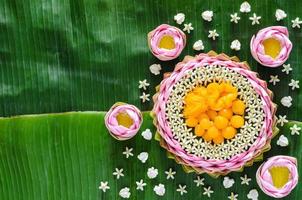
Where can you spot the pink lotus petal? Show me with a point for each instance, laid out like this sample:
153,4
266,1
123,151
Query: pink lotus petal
120,132
264,178
155,36
279,33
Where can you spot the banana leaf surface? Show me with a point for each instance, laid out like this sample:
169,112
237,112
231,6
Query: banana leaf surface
65,156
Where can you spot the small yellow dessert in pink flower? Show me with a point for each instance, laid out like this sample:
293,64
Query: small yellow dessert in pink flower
166,42
271,46
278,176
123,121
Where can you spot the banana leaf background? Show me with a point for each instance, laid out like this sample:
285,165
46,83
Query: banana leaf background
58,56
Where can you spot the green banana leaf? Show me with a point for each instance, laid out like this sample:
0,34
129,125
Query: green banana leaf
64,55
79,55
65,156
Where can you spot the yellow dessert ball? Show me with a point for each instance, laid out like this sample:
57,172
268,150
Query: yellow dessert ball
123,119
221,122
212,114
213,96
237,121
191,122
222,87
229,132
191,98
203,116
230,89
219,105
166,42
211,101
219,139
199,131
226,112
213,132
212,87
194,110
238,107
202,91
205,123
228,100
207,137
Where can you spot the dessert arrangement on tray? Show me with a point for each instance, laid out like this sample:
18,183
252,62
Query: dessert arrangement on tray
212,113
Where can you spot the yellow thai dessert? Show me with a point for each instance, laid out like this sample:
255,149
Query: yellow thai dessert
215,112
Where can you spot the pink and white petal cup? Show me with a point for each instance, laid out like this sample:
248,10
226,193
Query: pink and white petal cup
155,36
278,33
118,131
265,181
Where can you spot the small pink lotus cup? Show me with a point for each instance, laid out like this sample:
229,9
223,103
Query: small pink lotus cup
174,36
271,36
119,131
265,180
